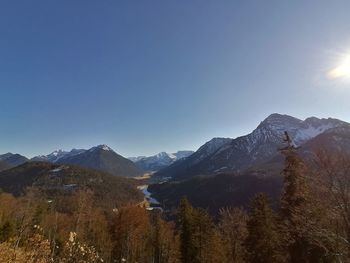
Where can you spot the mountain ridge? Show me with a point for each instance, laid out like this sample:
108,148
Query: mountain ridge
159,160
9,160
256,147
222,189
100,157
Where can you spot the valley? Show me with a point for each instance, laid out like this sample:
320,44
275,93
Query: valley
215,184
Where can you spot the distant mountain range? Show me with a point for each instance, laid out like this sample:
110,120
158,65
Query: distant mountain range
235,155
231,173
221,172
101,158
56,155
159,161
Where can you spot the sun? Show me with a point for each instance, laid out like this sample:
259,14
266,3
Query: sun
342,70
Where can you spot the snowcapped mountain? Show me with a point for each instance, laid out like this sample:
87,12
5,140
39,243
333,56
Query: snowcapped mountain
245,151
56,155
135,159
210,147
100,157
335,140
184,166
103,158
159,161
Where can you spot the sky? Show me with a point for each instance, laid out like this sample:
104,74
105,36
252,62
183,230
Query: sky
161,75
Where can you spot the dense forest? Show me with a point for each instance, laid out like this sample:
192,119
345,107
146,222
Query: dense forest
310,225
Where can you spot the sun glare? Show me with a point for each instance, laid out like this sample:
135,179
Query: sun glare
342,70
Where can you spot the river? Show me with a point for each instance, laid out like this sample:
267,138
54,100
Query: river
152,202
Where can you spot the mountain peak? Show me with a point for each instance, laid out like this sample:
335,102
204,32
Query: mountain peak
103,147
217,142
160,160
276,118
58,152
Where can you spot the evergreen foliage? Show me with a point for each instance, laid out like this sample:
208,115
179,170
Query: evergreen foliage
263,240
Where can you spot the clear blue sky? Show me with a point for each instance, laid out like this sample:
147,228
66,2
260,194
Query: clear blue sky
148,76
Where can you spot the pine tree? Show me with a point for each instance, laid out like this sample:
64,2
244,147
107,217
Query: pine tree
294,207
206,239
164,242
263,238
200,241
185,219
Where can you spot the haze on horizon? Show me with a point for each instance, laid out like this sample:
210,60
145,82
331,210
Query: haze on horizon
145,77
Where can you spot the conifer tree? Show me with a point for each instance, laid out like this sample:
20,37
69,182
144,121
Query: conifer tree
263,239
200,241
294,208
185,218
206,239
164,241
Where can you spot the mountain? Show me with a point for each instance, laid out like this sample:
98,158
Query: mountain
182,154
56,155
184,166
57,182
135,159
102,158
160,160
335,141
12,160
219,190
4,166
257,147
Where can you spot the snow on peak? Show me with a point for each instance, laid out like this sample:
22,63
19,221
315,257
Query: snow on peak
300,131
159,160
313,126
58,153
103,147
212,146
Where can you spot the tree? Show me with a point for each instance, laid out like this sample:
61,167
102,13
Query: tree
294,206
233,228
206,239
185,221
332,187
200,241
131,235
164,241
263,238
